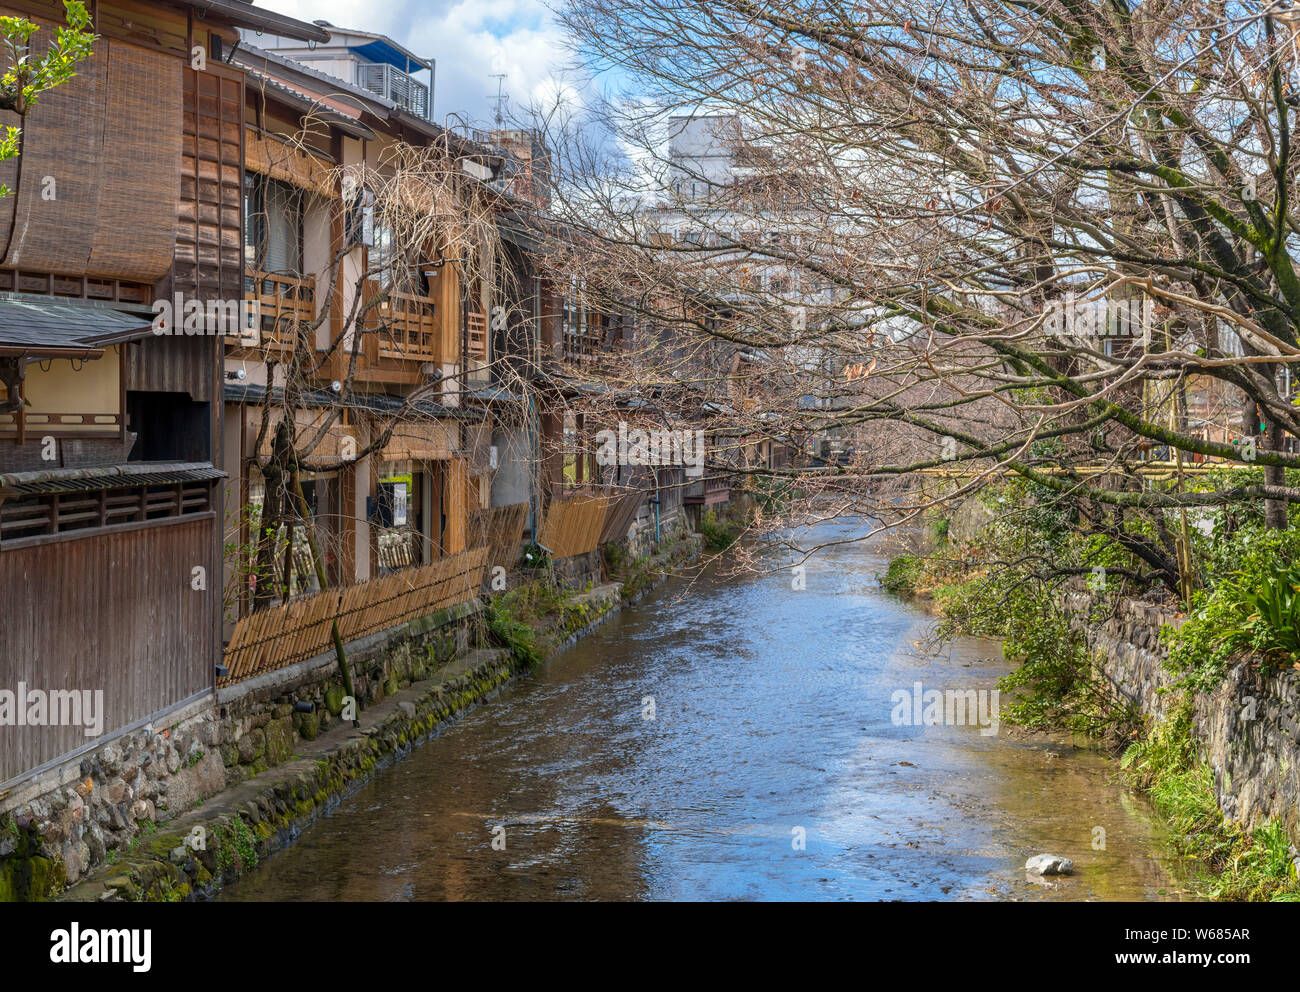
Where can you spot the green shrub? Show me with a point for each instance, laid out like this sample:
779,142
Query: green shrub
718,534
901,576
512,633
1252,605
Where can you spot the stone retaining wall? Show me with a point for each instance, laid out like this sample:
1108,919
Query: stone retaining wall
1248,728
87,813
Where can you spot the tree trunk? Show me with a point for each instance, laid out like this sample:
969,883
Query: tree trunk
319,562
1275,510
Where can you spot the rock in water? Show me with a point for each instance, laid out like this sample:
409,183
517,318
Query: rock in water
1049,864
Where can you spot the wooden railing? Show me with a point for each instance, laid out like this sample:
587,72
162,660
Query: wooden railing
409,329
477,343
580,347
91,425
302,628
58,513
282,303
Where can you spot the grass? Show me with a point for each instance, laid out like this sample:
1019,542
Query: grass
1242,865
507,619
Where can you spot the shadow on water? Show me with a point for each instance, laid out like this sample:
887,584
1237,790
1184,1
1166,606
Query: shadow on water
770,768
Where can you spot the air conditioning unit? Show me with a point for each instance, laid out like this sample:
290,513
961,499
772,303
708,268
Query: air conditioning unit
476,169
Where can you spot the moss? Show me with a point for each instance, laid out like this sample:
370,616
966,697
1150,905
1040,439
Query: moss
235,846
334,700
31,879
307,725
279,741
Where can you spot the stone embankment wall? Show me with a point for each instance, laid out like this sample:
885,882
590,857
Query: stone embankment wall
1248,727
254,764
88,813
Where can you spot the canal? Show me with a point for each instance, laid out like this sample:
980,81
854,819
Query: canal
735,738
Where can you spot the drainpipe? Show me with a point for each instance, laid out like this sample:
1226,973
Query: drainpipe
534,487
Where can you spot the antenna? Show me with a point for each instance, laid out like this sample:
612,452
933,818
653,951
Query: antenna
501,98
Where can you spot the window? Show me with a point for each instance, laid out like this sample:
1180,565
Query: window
580,465
579,337
272,226
382,254
359,221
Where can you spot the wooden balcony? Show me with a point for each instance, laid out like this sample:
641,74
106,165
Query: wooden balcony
580,347
408,328
282,302
708,491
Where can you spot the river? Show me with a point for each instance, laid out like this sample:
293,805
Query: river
734,738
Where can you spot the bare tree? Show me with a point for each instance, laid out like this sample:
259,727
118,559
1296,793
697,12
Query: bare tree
432,214
976,239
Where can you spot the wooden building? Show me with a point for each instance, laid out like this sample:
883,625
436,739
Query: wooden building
127,193
310,242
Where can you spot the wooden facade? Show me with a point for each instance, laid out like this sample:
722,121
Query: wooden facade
110,524
113,611
298,146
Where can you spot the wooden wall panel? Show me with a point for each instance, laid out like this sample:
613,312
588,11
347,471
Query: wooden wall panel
115,612
173,364
457,506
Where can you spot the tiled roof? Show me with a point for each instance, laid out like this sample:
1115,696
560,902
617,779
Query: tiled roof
254,395
48,323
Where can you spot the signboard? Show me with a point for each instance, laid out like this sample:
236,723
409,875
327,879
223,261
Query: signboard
399,504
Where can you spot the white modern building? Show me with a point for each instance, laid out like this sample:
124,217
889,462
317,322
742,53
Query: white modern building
369,61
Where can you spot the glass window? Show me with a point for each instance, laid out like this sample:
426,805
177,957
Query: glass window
272,226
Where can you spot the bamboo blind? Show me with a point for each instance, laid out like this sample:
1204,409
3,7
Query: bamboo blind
274,157
110,141
573,526
420,440
139,165
282,635
308,424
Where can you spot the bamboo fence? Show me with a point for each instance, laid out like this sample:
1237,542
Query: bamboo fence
301,629
500,530
573,526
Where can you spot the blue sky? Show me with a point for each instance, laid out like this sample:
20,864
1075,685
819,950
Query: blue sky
470,41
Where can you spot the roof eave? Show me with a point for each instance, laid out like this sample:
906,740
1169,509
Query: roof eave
245,15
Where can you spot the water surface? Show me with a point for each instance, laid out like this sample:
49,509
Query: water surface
770,769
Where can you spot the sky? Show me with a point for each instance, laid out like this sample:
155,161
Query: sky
470,41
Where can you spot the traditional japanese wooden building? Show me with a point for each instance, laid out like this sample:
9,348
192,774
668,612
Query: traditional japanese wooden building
127,192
